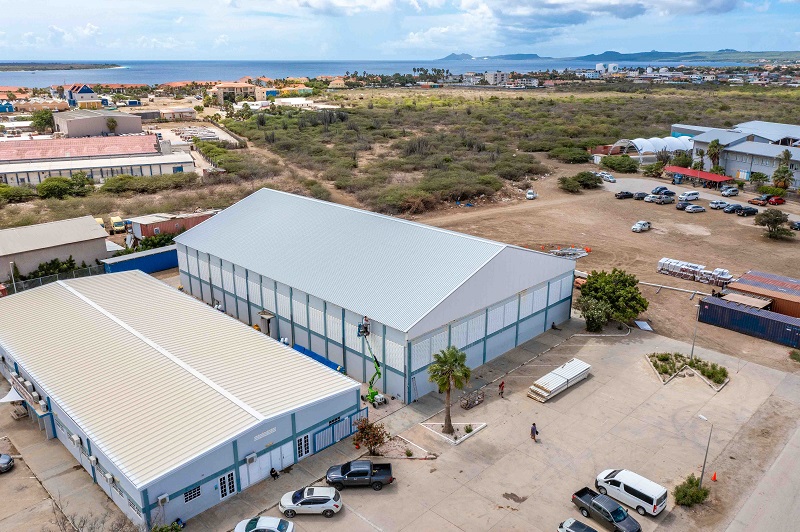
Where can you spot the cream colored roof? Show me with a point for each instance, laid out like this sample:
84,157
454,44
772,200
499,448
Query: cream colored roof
47,235
154,377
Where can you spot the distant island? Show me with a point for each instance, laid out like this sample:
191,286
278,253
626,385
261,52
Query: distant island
19,67
654,56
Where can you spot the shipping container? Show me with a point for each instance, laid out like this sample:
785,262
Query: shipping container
156,224
778,328
152,260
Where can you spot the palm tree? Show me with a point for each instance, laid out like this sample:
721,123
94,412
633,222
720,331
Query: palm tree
702,156
785,158
449,369
714,151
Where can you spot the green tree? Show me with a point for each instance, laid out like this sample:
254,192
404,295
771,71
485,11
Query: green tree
81,184
569,184
620,163
758,178
55,187
42,120
172,527
111,124
689,492
785,158
663,156
714,152
701,158
776,222
783,177
449,370
619,290
682,159
594,312
261,120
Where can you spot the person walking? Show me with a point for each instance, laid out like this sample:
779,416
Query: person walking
502,388
534,432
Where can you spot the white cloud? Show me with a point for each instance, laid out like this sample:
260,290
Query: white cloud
346,7
59,36
90,30
221,40
179,20
168,43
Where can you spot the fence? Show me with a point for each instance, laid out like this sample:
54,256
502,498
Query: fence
337,431
18,286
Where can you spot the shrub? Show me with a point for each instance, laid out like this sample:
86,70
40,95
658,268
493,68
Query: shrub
653,170
682,159
17,194
594,311
588,180
54,187
794,354
689,492
620,163
570,184
369,434
468,429
148,184
570,155
772,191
409,452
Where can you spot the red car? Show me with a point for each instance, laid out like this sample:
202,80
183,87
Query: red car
776,200
760,200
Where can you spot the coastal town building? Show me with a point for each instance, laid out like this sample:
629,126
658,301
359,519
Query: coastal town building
94,123
178,113
496,78
27,247
171,406
481,296
231,92
32,161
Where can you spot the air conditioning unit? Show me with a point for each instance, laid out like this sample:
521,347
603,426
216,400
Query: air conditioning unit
163,499
109,477
29,386
75,439
43,405
251,458
36,396
93,460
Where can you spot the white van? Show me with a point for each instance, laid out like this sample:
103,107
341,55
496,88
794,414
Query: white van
634,490
689,196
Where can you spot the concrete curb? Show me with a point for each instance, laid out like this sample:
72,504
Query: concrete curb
687,368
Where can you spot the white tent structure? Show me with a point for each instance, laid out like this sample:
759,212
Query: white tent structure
648,148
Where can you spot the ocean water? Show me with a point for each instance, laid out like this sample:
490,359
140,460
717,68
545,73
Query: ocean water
155,72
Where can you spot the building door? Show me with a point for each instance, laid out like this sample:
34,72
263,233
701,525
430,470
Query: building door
227,485
282,457
303,447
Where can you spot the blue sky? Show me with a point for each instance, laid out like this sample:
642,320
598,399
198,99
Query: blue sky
390,29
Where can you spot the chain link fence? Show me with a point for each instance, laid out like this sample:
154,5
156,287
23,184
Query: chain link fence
18,286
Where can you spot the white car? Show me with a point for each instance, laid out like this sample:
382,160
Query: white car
695,208
312,500
728,192
718,204
531,195
608,177
641,226
644,495
651,198
264,524
689,196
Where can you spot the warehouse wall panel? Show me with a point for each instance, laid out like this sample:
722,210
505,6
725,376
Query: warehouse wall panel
500,343
555,292
203,271
240,281
227,277
216,271
206,292
268,294
530,328
395,349
316,314
193,264
560,313
335,353
299,311
355,367
540,298
284,303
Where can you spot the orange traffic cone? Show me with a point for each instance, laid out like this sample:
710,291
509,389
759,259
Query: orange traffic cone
714,477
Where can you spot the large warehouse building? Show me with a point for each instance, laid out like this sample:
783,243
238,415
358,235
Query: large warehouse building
93,123
170,405
309,271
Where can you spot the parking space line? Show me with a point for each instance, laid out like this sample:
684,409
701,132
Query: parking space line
370,523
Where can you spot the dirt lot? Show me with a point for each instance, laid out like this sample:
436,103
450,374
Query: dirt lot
597,220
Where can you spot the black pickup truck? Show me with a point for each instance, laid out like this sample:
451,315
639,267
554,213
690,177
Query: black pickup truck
606,510
360,473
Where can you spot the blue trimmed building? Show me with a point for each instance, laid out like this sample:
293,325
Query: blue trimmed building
308,271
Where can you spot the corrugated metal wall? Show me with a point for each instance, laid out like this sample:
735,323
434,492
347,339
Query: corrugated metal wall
778,328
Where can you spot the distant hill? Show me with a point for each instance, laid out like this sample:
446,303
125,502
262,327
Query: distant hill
653,56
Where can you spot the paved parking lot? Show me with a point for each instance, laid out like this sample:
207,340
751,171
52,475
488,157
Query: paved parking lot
621,417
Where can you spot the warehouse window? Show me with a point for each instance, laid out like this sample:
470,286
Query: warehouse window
135,507
302,446
191,494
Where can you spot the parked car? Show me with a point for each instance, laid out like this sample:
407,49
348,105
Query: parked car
718,204
794,225
681,205
641,494
605,509
639,195
689,196
733,208
573,525
776,200
264,524
311,500
728,192
531,195
694,208
747,211
650,198
760,200
623,195
608,178
667,192
663,200
641,226
6,463
359,473
658,189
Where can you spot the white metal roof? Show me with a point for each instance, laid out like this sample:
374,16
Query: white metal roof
764,150
392,270
773,131
724,136
50,234
154,377
85,164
